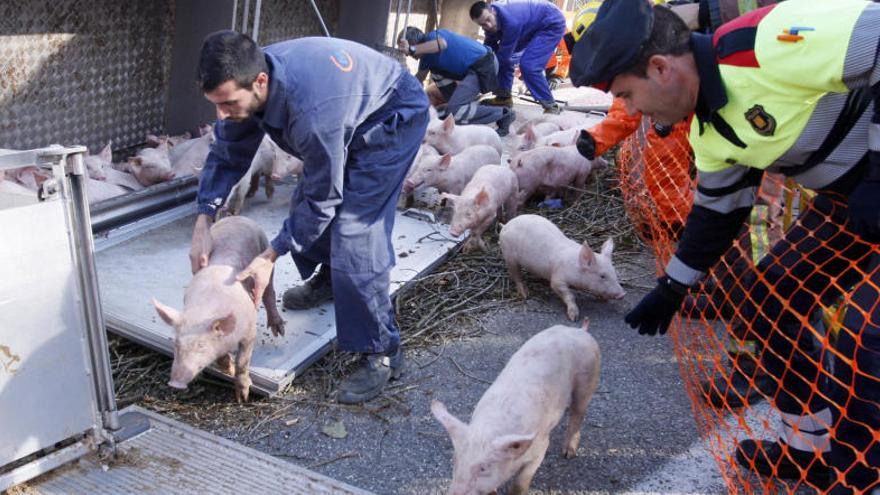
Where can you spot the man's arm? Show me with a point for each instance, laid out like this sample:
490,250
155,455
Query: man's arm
435,45
322,140
230,157
506,49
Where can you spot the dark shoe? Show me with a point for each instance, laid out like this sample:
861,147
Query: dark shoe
369,379
498,101
773,459
736,389
505,121
314,292
551,107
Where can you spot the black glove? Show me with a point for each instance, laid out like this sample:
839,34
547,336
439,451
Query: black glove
864,203
586,145
655,310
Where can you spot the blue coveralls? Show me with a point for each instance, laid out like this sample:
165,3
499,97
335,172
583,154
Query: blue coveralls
459,71
356,119
533,27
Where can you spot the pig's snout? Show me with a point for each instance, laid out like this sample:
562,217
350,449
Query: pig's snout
620,295
455,232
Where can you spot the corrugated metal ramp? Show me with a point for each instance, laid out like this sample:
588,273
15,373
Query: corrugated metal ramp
163,456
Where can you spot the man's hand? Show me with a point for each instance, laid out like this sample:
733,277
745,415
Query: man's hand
260,270
656,309
200,249
586,145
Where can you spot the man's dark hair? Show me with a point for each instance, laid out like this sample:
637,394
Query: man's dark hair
669,36
477,9
229,55
412,35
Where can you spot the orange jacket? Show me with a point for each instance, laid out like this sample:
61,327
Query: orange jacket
667,160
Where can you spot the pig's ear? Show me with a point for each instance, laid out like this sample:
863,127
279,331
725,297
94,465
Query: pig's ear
482,198
224,325
586,324
608,247
449,124
135,160
446,160
168,314
454,426
513,446
587,256
450,197
153,140
530,133
186,135
106,154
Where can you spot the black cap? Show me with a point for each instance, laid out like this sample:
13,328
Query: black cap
611,43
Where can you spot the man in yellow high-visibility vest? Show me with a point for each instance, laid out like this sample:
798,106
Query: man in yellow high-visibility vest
788,88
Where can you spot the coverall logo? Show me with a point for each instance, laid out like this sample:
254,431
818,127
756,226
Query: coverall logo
762,122
342,60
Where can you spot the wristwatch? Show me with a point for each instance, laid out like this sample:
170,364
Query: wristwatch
411,50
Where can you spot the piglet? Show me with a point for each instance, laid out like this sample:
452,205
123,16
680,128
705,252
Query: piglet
188,157
152,165
450,173
551,170
565,137
491,190
172,141
219,316
532,136
447,137
536,244
97,165
565,120
269,161
509,432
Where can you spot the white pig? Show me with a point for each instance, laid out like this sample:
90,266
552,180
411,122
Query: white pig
100,190
450,138
551,170
565,120
97,165
188,157
112,175
268,162
565,137
172,141
509,432
152,165
492,189
219,316
450,173
536,244
532,136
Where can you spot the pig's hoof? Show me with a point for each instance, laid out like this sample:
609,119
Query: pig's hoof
242,392
569,453
573,313
277,328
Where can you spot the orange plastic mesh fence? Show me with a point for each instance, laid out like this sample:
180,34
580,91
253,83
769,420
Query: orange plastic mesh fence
780,340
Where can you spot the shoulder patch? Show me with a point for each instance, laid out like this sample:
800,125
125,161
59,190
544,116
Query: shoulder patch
342,60
762,122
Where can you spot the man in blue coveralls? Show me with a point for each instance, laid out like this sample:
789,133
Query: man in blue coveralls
533,27
462,69
356,119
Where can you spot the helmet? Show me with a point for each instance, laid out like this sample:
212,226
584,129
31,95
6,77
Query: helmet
582,20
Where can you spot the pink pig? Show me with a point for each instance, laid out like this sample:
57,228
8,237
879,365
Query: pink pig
450,173
219,316
152,165
491,190
509,432
447,137
551,170
536,244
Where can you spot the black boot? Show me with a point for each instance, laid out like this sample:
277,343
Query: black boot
505,121
735,389
314,292
369,379
773,459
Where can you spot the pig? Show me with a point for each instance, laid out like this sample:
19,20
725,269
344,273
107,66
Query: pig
531,137
152,165
450,138
188,157
550,169
97,165
565,120
492,189
269,162
536,244
509,433
450,173
565,137
100,190
30,177
219,315
172,141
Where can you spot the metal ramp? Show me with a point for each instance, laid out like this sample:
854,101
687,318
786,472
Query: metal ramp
151,259
157,455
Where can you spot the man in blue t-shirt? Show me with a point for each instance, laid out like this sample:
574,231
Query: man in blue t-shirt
462,69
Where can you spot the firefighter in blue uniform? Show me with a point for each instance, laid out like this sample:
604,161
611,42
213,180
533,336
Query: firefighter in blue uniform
356,119
789,88
530,27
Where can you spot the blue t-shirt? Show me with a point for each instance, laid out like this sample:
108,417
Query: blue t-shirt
461,52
